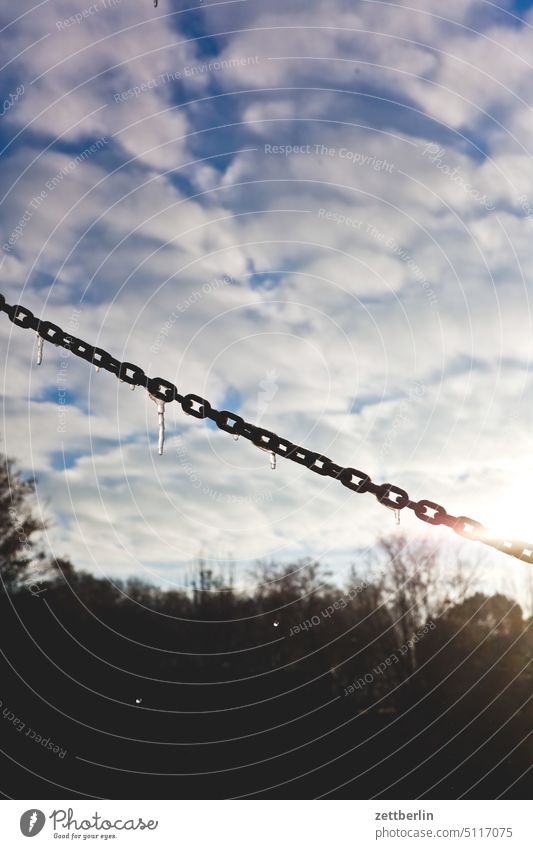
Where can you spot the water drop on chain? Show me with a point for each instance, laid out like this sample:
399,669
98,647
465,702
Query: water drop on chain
161,420
272,456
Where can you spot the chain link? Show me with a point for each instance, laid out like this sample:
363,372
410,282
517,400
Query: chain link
387,494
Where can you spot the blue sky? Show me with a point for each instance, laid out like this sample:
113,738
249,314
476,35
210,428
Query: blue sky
316,213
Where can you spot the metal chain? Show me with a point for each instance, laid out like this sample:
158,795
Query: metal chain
392,497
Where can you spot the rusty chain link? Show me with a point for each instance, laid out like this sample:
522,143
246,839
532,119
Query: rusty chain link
387,494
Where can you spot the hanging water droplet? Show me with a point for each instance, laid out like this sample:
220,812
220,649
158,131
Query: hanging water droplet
236,436
396,513
97,369
40,342
161,420
161,417
138,701
272,456
275,623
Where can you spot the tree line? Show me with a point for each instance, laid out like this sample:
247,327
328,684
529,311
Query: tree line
407,680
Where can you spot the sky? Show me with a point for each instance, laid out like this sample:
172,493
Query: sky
316,213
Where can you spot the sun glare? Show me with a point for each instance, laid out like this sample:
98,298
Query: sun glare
511,515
